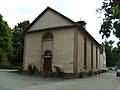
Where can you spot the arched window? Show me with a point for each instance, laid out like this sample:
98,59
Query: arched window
47,53
47,37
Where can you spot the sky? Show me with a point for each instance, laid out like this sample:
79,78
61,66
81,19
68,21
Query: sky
15,11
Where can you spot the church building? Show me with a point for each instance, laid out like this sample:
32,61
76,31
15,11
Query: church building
52,39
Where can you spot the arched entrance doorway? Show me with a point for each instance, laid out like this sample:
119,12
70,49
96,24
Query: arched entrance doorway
47,61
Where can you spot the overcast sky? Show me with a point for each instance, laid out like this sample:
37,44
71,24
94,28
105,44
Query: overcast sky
15,11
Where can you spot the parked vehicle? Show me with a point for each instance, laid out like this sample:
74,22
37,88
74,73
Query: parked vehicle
114,68
118,72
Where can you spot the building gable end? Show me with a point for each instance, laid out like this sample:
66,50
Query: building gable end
49,18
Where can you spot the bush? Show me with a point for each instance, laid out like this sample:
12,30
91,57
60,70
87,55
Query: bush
32,68
8,67
81,74
59,71
90,73
19,69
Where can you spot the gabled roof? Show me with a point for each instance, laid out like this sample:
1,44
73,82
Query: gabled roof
66,18
48,8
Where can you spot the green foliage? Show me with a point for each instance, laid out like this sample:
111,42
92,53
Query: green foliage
112,54
59,71
16,57
108,50
32,68
111,21
5,38
111,24
11,43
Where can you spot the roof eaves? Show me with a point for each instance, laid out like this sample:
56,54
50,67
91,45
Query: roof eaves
85,31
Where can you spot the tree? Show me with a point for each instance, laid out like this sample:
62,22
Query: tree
111,21
118,54
108,50
16,57
5,39
112,54
111,24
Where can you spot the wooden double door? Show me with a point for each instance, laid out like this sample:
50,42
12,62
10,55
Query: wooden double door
47,64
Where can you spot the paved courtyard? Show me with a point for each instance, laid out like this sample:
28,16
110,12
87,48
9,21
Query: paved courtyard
105,81
14,81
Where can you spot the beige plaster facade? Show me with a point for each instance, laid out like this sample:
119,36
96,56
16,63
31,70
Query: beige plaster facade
64,48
